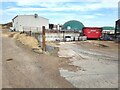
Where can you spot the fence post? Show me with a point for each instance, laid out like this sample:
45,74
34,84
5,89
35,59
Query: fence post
63,36
43,39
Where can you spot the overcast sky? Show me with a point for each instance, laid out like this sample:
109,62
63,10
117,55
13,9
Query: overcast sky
89,12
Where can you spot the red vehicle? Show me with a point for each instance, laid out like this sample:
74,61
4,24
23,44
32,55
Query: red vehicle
92,32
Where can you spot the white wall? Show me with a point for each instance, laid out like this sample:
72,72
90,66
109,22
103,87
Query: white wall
58,36
15,24
29,22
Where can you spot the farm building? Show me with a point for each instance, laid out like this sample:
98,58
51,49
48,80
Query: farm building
108,30
73,25
32,23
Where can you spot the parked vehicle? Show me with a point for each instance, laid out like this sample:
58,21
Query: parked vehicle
106,38
68,38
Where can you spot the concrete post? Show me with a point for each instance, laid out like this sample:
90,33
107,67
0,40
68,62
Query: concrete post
43,39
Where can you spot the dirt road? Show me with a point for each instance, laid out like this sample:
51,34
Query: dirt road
89,64
23,68
98,66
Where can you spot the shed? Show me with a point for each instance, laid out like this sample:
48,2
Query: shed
32,23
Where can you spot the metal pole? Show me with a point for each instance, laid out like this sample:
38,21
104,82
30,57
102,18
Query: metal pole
116,29
43,39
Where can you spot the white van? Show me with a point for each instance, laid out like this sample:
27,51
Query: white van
68,38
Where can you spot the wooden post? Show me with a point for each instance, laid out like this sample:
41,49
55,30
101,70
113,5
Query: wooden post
43,39
63,35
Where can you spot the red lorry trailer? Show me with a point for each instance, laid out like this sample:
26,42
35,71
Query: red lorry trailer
92,32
